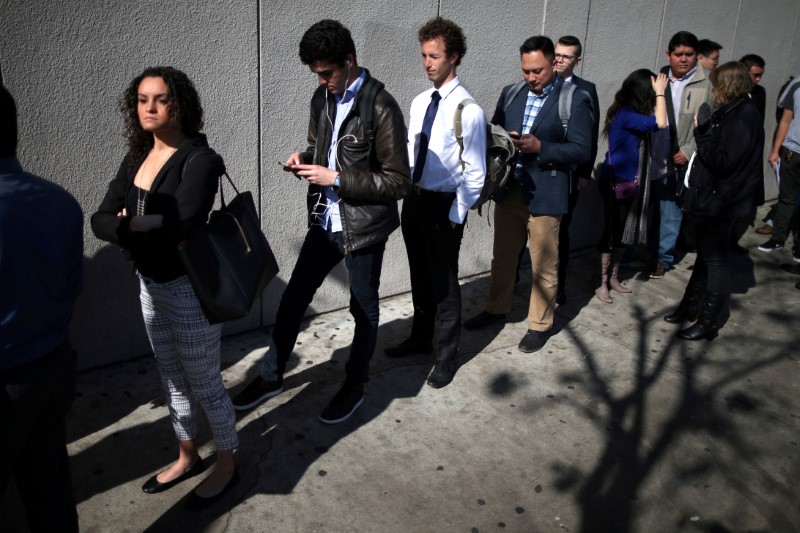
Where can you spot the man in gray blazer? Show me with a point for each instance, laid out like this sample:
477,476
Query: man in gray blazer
537,194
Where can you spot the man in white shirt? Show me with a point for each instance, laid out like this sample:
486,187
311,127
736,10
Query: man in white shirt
447,182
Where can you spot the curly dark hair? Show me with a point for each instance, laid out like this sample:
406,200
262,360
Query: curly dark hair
184,108
327,40
637,93
451,34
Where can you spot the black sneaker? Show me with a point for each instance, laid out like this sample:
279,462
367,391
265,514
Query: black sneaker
533,341
483,319
771,245
257,392
796,257
343,405
442,374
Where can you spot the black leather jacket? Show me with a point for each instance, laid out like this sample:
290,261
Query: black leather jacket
372,178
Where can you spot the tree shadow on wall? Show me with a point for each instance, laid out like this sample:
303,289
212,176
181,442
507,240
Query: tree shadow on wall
641,434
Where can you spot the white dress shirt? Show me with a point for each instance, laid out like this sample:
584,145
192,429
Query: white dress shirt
676,87
330,217
442,170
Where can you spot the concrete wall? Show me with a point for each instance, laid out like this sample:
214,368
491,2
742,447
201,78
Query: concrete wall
68,62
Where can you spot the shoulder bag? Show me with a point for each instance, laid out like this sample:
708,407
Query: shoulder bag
228,260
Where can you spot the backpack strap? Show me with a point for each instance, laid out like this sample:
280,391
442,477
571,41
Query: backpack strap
458,128
366,106
512,93
565,104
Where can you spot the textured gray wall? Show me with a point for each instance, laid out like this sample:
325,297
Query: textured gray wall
68,62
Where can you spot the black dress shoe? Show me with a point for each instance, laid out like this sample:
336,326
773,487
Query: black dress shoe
195,502
533,341
442,374
153,486
408,347
483,319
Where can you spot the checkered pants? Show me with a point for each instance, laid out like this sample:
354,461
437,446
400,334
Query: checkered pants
187,350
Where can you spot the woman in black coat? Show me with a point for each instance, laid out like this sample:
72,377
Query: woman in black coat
725,173
163,190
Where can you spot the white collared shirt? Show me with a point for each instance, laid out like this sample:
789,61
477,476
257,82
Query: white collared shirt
442,170
677,85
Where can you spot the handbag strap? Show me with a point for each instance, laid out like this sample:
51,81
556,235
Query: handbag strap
221,190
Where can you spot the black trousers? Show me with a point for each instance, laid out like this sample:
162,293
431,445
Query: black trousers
433,245
34,400
713,237
563,238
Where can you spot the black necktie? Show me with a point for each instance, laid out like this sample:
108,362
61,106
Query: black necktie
425,135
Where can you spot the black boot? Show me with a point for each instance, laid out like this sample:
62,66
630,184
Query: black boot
707,325
689,308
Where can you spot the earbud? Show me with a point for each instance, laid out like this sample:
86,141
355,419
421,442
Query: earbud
349,64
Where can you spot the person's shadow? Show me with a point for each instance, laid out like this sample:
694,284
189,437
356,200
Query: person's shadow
282,439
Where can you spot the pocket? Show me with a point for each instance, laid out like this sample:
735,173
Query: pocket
693,98
353,149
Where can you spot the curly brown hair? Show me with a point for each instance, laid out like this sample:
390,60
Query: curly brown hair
184,108
454,40
729,82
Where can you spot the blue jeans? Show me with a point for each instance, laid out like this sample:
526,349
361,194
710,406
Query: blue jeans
669,216
321,251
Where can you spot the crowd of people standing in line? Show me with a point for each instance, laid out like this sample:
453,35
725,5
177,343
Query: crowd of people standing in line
685,150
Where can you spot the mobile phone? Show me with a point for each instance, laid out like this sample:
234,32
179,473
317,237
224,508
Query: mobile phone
284,166
514,136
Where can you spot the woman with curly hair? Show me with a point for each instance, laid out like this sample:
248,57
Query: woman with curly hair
725,173
628,122
163,190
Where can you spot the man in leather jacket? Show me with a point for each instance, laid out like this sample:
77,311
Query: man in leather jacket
357,169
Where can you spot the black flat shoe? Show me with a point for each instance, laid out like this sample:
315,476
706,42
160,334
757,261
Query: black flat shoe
195,502
153,486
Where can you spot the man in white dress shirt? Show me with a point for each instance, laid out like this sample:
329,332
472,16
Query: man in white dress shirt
447,182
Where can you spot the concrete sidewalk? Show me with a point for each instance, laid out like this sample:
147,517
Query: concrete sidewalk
616,425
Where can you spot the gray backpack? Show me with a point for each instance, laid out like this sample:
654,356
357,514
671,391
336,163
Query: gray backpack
500,149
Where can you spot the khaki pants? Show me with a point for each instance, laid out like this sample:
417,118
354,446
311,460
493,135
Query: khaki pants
512,223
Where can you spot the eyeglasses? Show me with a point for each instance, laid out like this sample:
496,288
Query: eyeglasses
565,57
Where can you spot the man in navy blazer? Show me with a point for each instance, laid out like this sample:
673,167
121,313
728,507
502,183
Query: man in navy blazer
537,195
568,56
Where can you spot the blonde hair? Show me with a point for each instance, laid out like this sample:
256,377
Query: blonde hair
729,82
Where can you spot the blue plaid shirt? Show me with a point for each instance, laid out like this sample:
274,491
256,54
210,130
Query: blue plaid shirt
532,108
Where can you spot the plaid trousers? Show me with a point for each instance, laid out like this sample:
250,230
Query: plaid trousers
187,350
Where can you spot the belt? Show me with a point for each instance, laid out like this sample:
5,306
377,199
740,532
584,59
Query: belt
436,194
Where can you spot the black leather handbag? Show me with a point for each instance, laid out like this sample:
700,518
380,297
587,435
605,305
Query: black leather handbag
229,261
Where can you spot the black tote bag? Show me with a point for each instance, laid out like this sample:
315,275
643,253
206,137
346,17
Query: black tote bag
229,261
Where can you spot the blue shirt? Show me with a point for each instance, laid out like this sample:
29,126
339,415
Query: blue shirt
627,130
532,107
41,264
330,218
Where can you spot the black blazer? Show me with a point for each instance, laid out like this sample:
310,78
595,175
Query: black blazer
183,192
547,187
585,170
